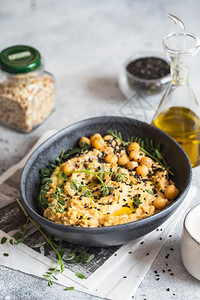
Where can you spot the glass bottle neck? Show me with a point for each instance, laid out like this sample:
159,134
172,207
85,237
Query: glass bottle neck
179,76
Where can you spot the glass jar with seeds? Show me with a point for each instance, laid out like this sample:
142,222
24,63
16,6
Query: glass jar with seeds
148,71
27,91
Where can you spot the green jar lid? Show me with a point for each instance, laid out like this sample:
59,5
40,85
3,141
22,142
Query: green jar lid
19,59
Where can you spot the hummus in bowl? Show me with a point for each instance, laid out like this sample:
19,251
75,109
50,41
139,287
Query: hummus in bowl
109,182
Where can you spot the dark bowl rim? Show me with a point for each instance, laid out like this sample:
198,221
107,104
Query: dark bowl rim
99,230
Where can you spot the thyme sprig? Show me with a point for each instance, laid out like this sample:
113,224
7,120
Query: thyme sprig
105,189
48,172
147,146
79,187
59,200
60,266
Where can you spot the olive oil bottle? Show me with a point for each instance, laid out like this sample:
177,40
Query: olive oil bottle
183,125
178,113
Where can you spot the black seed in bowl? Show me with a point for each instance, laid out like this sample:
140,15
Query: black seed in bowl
149,68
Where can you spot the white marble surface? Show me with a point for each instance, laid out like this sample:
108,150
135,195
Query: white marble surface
84,44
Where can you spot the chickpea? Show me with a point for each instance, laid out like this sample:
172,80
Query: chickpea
134,146
134,155
108,137
67,167
94,136
98,143
131,165
171,192
123,159
111,158
142,170
160,203
84,139
146,161
105,149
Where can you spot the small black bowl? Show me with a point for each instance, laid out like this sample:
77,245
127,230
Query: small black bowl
68,138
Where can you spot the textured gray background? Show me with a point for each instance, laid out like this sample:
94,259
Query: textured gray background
84,44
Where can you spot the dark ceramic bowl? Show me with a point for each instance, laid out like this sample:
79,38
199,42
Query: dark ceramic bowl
68,138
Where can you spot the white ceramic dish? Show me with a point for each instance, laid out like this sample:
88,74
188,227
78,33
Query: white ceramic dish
190,242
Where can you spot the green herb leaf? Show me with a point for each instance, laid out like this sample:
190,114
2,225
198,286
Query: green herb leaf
74,186
85,146
11,241
6,254
80,189
3,240
90,258
150,192
136,201
69,288
79,275
61,201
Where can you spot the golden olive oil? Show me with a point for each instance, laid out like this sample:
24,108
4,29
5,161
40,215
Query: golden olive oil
125,210
183,125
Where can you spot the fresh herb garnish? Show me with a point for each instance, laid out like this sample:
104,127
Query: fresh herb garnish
6,254
147,146
69,288
79,187
74,256
105,189
59,200
119,176
79,275
117,134
47,173
136,202
3,240
150,192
